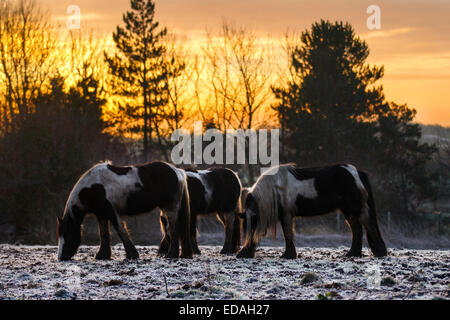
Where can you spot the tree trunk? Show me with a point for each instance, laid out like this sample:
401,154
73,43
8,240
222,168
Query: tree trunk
161,146
146,124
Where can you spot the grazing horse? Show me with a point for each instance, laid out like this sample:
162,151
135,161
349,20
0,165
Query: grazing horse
110,192
216,190
286,191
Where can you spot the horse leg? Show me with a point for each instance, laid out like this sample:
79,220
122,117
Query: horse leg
173,251
356,228
286,224
249,248
232,227
130,249
181,229
236,234
165,241
373,234
225,219
193,230
104,252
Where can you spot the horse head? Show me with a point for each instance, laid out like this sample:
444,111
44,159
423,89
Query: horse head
249,214
68,232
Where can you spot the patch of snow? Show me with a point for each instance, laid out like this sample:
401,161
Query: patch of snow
28,272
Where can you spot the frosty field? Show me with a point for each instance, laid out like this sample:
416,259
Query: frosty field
33,272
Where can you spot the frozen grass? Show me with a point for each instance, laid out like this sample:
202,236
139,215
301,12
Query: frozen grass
33,272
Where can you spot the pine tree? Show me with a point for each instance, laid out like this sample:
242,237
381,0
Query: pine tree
333,111
334,89
140,69
402,159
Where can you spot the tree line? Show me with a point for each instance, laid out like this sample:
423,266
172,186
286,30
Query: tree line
70,99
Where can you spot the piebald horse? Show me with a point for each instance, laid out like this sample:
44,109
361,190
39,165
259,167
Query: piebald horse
285,192
213,191
110,192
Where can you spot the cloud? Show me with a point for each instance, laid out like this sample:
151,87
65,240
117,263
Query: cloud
84,16
387,33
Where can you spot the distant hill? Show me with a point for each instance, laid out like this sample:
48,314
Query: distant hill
435,134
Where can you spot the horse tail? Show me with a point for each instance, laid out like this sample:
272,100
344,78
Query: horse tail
237,221
184,222
241,212
370,199
240,204
267,199
374,237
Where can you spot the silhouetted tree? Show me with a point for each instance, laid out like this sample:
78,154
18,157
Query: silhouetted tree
331,110
402,159
42,158
327,110
141,70
27,59
237,78
234,91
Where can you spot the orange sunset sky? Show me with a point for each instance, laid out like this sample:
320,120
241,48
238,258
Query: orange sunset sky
413,43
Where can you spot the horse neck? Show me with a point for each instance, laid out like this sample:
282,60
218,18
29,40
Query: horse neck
76,214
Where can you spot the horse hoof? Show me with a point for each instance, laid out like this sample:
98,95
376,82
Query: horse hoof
380,254
103,256
162,252
230,250
226,251
352,254
289,256
172,255
132,255
245,254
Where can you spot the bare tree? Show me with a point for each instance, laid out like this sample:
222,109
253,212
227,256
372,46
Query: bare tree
180,87
238,76
86,58
285,72
27,41
233,79
442,157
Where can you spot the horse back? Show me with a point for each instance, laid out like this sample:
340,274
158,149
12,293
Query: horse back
160,188
226,190
335,187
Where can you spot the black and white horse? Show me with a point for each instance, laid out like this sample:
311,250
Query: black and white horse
216,190
285,191
110,192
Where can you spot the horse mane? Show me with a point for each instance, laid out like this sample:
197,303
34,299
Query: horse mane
102,162
268,196
75,189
